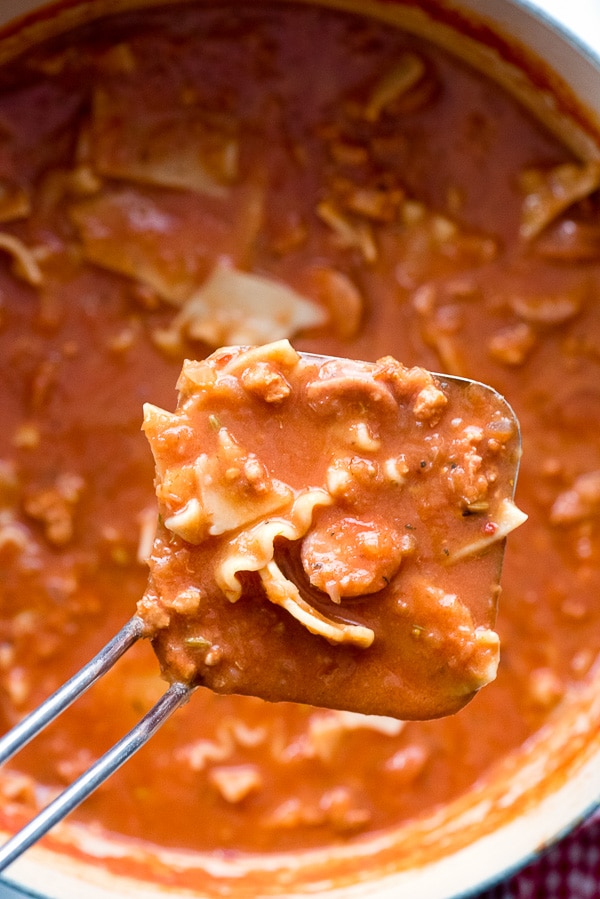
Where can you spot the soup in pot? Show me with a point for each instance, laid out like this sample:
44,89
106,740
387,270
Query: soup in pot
192,176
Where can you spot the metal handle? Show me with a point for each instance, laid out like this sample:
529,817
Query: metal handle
111,761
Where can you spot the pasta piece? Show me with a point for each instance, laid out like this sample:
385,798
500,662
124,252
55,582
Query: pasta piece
550,193
549,309
25,264
164,242
234,307
429,245
508,518
169,148
129,233
330,531
401,78
342,299
348,233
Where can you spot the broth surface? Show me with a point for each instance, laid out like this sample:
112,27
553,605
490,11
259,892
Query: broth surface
396,211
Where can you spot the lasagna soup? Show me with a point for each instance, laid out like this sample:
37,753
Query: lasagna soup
289,485
203,175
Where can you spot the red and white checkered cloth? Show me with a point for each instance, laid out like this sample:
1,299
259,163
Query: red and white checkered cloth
570,870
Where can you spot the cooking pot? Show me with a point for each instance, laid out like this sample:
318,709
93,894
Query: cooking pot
553,782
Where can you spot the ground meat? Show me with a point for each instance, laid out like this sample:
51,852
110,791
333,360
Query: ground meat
580,501
55,508
264,381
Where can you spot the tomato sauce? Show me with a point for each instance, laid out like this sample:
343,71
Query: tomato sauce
386,184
